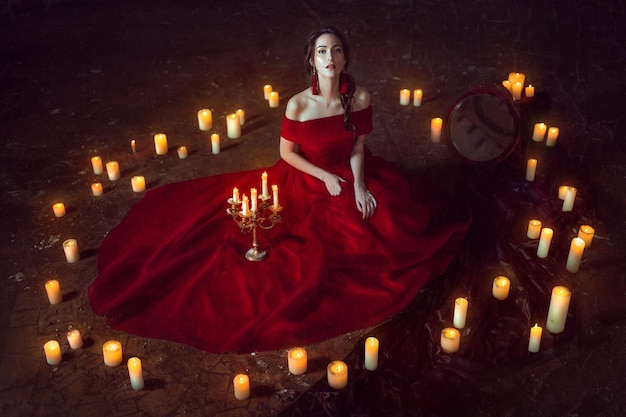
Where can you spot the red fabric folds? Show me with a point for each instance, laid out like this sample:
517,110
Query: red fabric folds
174,268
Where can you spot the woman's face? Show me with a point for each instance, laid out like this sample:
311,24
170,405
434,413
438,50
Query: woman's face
328,57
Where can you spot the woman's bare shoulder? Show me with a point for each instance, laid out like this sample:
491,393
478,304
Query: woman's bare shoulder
297,105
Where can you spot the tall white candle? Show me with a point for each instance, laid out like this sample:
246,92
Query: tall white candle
160,143
586,232
274,99
267,89
233,127
75,339
570,198
539,132
242,116
544,242
245,208
417,97
52,350
264,191
53,290
70,248
337,374
575,254
297,360
135,372
501,286
460,312
205,119
182,152
559,306
553,134
275,195
534,341
112,353
253,199
96,189
371,353
138,183
113,170
241,384
531,169
96,164
58,209
235,195
405,97
534,229
435,129
215,143
450,340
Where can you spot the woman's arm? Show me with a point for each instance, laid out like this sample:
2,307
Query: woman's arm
365,201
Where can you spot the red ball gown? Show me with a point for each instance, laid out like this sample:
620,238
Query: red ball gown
174,268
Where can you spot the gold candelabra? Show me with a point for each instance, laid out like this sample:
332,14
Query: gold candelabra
252,219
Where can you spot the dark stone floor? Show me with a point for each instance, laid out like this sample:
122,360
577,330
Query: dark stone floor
82,78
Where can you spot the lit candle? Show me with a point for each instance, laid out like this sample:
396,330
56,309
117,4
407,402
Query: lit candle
516,90
215,143
539,132
274,99
233,127
96,189
501,286
267,89
241,384
113,170
534,229
371,353
586,232
576,250
570,197
160,143
53,290
534,341
74,339
297,360
112,353
275,195
563,191
529,91
507,85
245,210
52,350
58,209
553,134
264,191
405,96
96,164
559,305
517,77
435,129
182,152
138,183
417,97
70,247
450,340
337,374
205,119
135,373
460,312
253,199
242,116
544,242
531,169
133,146
235,195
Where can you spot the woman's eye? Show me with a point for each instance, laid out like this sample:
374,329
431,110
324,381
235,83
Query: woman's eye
321,51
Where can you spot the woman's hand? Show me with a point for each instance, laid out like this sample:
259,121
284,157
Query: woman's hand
333,183
365,202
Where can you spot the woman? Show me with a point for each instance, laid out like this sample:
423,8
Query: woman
340,260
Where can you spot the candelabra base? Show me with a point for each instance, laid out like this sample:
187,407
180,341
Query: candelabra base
256,255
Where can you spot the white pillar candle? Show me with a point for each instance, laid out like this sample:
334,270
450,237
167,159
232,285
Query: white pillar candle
215,143
450,340
160,143
267,89
529,91
235,195
534,341
70,248
133,146
205,119
570,198
53,290
112,353
254,198
297,360
501,286
52,350
96,164
58,209
534,229
96,189
241,384
371,353
233,127
507,85
138,183
539,132
337,374
405,97
435,129
517,77
460,312
586,232
544,242
242,116
182,152
75,339
559,305
575,255
245,208
113,170
264,191
275,195
135,373
516,90
274,99
553,134
417,97
531,169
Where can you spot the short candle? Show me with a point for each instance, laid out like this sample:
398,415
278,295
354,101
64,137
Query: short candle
586,232
215,143
450,340
138,183
70,248
337,374
112,353
534,229
563,191
417,97
371,353
135,373
53,290
267,89
534,341
460,312
182,152
559,306
516,90
96,189
242,116
531,169
52,350
113,170
241,384
529,91
96,164
435,129
274,99
539,132
233,127
75,339
160,143
544,242
405,96
205,119
297,360
133,146
553,134
58,209
507,84
501,286
574,257
570,198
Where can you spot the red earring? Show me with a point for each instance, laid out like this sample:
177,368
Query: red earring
314,83
344,83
